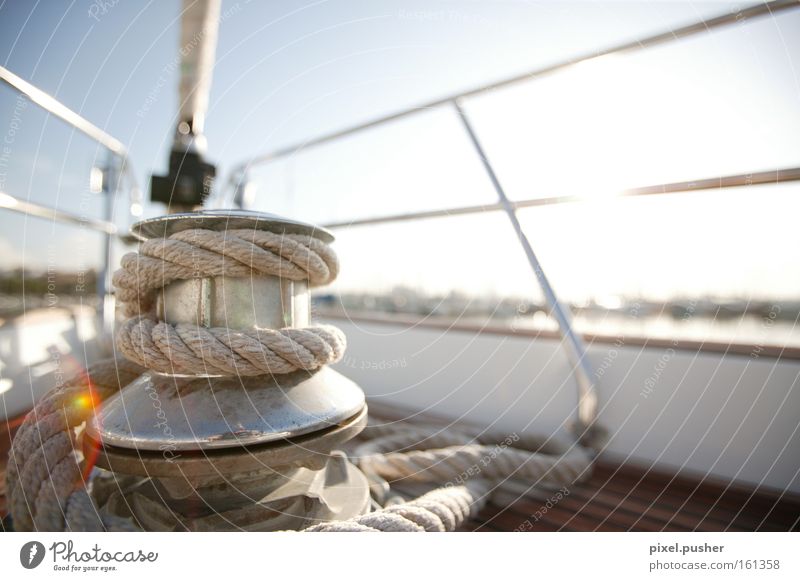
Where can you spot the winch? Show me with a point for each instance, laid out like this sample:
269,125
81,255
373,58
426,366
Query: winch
221,413
207,450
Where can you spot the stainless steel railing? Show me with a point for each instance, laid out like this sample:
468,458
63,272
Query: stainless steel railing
70,117
755,11
9,202
13,203
572,341
55,107
778,176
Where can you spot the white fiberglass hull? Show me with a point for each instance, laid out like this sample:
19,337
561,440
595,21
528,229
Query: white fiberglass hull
733,417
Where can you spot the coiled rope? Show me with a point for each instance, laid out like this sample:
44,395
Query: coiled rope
194,350
466,475
47,475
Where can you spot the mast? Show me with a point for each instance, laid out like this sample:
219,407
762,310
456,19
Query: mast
190,177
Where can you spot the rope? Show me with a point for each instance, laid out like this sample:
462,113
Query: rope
45,473
191,349
453,463
202,253
466,473
195,350
441,510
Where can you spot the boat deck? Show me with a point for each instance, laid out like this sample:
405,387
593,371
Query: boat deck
616,498
628,497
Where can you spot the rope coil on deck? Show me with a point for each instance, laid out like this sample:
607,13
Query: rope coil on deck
191,349
467,474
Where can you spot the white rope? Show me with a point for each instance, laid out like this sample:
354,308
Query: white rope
195,350
467,474
45,473
200,253
441,510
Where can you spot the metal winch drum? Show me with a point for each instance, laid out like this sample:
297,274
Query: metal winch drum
213,452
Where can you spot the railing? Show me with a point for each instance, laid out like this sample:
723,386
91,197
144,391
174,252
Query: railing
106,226
50,104
8,202
572,341
758,10
730,181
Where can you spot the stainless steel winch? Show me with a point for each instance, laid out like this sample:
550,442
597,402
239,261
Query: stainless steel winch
219,452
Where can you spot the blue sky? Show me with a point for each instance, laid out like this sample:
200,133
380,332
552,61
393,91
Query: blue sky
338,61
287,71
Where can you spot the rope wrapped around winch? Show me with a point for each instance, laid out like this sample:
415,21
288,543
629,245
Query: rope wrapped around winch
48,480
195,350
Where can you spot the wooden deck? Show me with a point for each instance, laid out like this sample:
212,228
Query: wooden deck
630,497
616,498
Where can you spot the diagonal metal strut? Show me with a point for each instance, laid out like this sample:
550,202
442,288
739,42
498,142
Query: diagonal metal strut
574,346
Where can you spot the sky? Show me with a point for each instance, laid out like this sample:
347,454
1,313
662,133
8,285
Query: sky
718,103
